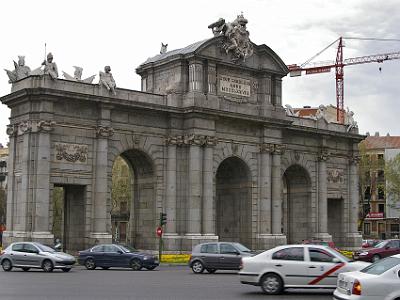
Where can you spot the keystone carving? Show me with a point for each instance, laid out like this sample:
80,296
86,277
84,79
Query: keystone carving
71,152
104,131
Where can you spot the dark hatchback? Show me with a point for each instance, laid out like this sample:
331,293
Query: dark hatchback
106,256
217,256
381,250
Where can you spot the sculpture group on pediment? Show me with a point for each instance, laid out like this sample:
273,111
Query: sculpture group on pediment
78,76
20,70
236,37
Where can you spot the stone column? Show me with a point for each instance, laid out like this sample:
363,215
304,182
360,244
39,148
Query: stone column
322,197
41,229
101,226
195,180
353,236
208,192
277,190
196,76
171,186
212,78
265,188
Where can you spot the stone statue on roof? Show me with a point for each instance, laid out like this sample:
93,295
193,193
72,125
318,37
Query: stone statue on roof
50,67
20,70
236,37
163,48
107,80
349,121
78,76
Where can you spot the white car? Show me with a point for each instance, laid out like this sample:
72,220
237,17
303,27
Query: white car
379,281
296,266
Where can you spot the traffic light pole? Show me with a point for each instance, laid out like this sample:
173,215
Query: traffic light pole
163,221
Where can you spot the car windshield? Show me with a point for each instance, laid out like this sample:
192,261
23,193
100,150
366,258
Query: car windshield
242,248
45,248
380,245
128,248
381,266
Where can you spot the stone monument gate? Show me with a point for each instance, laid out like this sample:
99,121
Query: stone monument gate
208,142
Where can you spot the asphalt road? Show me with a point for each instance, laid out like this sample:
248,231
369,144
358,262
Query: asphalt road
165,282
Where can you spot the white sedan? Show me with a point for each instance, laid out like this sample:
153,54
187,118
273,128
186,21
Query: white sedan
379,281
296,266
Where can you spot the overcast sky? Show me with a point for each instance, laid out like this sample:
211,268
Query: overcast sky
123,34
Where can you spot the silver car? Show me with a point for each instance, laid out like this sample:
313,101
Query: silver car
27,255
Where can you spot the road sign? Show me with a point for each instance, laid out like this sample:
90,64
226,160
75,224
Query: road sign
159,231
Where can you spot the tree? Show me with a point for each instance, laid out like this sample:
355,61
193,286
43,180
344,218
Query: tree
392,176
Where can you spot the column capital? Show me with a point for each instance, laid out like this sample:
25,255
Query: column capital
354,159
279,149
104,131
324,155
267,148
30,126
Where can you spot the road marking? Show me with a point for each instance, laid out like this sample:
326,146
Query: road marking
326,274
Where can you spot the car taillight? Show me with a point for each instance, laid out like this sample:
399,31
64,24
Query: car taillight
356,288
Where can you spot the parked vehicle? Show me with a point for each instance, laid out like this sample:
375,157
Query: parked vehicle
321,242
379,281
381,250
106,256
370,243
217,256
296,266
27,255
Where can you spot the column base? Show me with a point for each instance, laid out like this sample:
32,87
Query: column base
324,236
268,241
353,241
191,240
43,237
100,238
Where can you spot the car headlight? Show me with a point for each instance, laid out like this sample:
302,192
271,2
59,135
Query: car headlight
145,258
363,253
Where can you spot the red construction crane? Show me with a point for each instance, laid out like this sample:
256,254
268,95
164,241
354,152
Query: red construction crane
339,64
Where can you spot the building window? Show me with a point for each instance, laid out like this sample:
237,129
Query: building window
367,193
381,192
394,228
381,207
367,228
380,156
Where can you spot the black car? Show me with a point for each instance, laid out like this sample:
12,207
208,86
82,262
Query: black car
217,256
106,256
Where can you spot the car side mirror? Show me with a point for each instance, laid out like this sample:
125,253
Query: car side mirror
387,247
120,252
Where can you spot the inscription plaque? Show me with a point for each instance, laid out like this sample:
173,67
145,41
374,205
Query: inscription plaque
234,85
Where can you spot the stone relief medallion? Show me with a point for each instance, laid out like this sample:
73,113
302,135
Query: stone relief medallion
73,153
335,176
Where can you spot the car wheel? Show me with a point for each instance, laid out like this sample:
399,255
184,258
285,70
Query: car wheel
197,267
211,271
26,269
6,264
90,264
66,269
375,258
151,268
136,264
271,284
47,266
105,268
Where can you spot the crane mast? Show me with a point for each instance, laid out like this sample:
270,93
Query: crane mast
339,64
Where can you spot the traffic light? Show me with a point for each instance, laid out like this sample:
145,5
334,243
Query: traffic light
163,219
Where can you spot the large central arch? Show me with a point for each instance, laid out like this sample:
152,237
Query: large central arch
142,212
296,204
233,205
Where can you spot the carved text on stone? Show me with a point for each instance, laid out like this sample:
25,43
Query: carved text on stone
234,85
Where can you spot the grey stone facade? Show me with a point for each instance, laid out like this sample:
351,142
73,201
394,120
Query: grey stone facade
209,143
